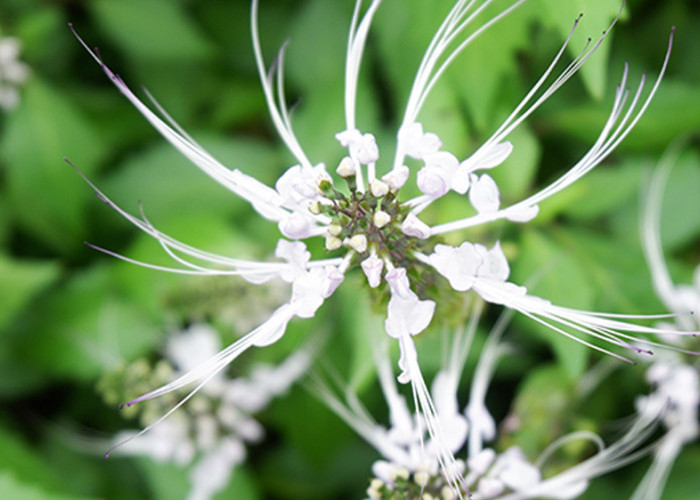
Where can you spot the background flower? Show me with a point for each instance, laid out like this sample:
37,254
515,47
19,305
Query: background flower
65,309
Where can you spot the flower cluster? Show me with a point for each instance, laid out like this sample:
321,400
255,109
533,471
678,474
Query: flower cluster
215,425
367,222
675,378
411,466
12,72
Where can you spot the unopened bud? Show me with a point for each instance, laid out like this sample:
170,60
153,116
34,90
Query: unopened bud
378,188
325,186
332,242
396,178
381,218
315,208
358,243
334,229
346,168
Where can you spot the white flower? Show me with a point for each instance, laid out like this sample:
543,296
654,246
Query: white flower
12,72
675,380
214,443
411,456
304,204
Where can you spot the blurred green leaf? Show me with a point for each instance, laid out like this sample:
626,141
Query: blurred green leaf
320,28
11,488
680,224
605,189
682,482
555,276
21,280
4,220
87,329
157,29
542,409
47,196
19,460
168,481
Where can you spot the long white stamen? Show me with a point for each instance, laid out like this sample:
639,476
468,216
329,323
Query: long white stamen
605,144
651,229
357,38
427,76
264,199
278,115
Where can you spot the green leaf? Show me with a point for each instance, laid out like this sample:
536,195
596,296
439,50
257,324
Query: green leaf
606,189
680,224
19,460
21,280
157,29
48,197
86,329
542,409
4,219
168,481
404,30
241,486
319,28
16,490
557,277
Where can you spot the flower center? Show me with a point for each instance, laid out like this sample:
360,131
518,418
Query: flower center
371,224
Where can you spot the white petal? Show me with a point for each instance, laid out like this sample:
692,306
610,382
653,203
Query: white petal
480,463
308,292
213,471
432,182
515,471
296,226
413,226
489,157
415,143
495,264
332,280
193,346
273,329
484,195
372,267
296,254
408,316
523,215
458,265
396,178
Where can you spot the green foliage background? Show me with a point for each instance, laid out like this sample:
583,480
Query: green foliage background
69,314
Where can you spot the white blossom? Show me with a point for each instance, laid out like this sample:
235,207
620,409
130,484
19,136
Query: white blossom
674,378
213,443
411,462
305,203
13,73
